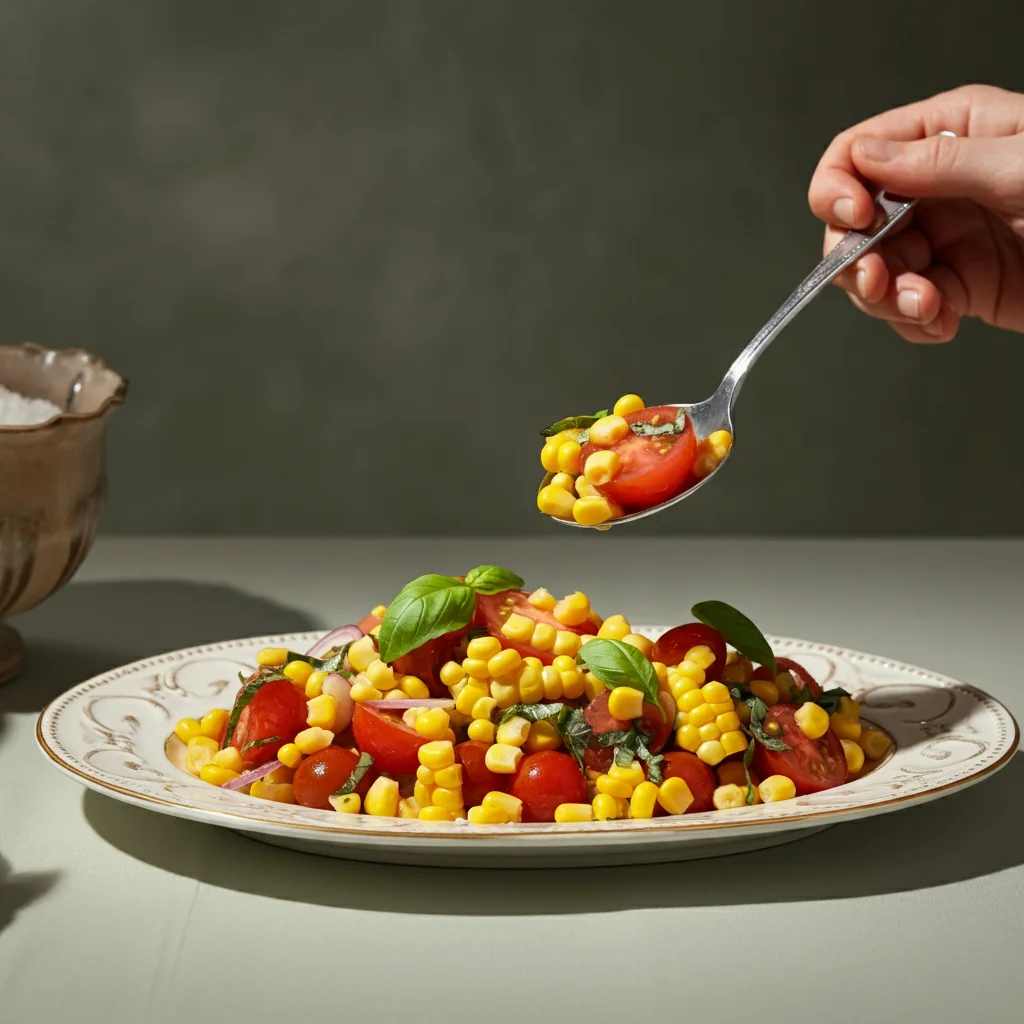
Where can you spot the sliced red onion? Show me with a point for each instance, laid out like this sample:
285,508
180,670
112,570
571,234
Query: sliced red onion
257,773
336,638
411,702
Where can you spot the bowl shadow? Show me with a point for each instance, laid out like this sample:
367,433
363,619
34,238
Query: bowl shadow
963,836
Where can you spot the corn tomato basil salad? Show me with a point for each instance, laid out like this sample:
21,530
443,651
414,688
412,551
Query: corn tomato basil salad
469,698
622,461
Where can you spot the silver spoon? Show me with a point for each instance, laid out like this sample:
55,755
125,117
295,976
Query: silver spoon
715,413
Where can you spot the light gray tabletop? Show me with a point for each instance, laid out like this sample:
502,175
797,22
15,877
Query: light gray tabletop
116,914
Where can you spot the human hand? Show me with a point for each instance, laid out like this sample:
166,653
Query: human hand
962,253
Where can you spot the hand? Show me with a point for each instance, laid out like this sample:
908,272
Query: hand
962,253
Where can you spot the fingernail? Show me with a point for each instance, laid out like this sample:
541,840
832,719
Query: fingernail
862,284
879,150
843,211
907,302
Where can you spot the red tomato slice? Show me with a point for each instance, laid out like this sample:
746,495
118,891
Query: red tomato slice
681,764
762,673
671,647
654,469
803,677
278,708
544,781
813,765
324,773
601,720
426,661
477,779
387,739
493,610
370,622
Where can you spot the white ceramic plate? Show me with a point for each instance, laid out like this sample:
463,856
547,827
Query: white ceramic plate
112,734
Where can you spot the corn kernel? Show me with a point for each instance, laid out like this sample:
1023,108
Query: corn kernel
661,671
187,729
484,707
705,464
531,683
725,708
691,700
519,628
381,676
552,681
451,674
719,444
382,798
213,722
688,737
549,456
315,684
279,792
485,816
413,686
711,752
289,755
625,703
701,714
215,775
602,467
716,693
510,807
362,654
702,656
270,657
350,803
813,720
775,788
768,692
726,797
410,715
692,671
786,685
709,731
469,695
313,740
434,813
674,795
503,758
573,684
363,691
733,741
618,788
615,627
321,711
563,663
298,671
641,643
844,728
556,501
541,598
569,457
874,743
432,724
481,730
282,774
643,800
504,662
514,732
543,736
423,793
449,799
849,708
505,694
592,510
632,775
407,808
572,610
592,686
229,757
678,685
200,752
728,721
743,710
437,754
566,643
425,775
449,778
627,404
738,671
571,813
606,808
608,430
585,489
854,756
483,647
475,668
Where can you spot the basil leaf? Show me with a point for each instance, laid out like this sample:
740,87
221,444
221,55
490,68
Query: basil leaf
241,678
573,423
624,757
653,761
575,734
335,663
241,703
260,743
492,579
363,765
614,739
532,712
677,426
424,609
758,709
619,664
828,701
747,758
738,630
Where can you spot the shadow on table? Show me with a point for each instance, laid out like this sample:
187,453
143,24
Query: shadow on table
19,890
964,836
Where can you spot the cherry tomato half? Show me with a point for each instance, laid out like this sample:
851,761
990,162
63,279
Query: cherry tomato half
653,469
393,746
657,725
426,661
477,779
671,647
545,780
278,708
803,677
493,610
324,773
681,764
370,622
813,765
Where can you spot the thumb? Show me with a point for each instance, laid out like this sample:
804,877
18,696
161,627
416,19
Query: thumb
988,170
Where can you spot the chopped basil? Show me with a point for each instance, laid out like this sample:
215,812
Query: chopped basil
424,609
828,701
532,712
363,765
492,579
758,709
676,426
737,630
573,423
575,732
260,743
335,663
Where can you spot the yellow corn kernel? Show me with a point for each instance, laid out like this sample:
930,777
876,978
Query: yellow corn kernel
727,797
289,755
519,628
615,627
270,657
678,685
768,692
187,729
691,700
661,671
543,736
514,732
543,637
674,795
315,684
484,707
711,752
199,754
566,644
205,743
531,683
449,778
733,741
510,807
321,711
432,724
854,756
481,730
843,727
541,598
426,775
363,691
213,722
410,715
279,792
627,404
716,693
702,656
282,774
549,456
423,793
626,703
709,731
382,798
705,464
437,754
298,671
475,668
449,799
572,610
691,670
701,714
469,695
743,710
775,788
552,681
381,676
483,647
434,813
849,708
592,686
786,685
608,431
719,444
682,718
378,611
569,457
505,694
413,686
566,814
738,671
314,739
504,662
215,775
725,708
813,720
229,757
350,803
728,721
556,501
451,674
362,654
407,808
572,684
564,480
485,816
688,737
874,743
592,510
643,800
605,807
632,775
503,758
602,467
618,788
641,643
585,489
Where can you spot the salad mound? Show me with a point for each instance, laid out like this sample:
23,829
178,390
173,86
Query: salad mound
470,698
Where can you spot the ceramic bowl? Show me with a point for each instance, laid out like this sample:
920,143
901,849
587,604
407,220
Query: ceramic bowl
53,478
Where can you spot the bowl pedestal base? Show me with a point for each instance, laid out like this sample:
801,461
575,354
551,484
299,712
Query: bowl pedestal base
12,653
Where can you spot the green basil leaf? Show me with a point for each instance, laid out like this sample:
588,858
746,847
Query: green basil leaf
758,710
492,579
260,743
424,609
677,426
653,761
363,765
575,734
828,701
616,738
573,423
532,712
242,702
738,630
335,663
747,758
624,757
619,664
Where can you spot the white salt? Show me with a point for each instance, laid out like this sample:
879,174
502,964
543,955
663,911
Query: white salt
18,411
